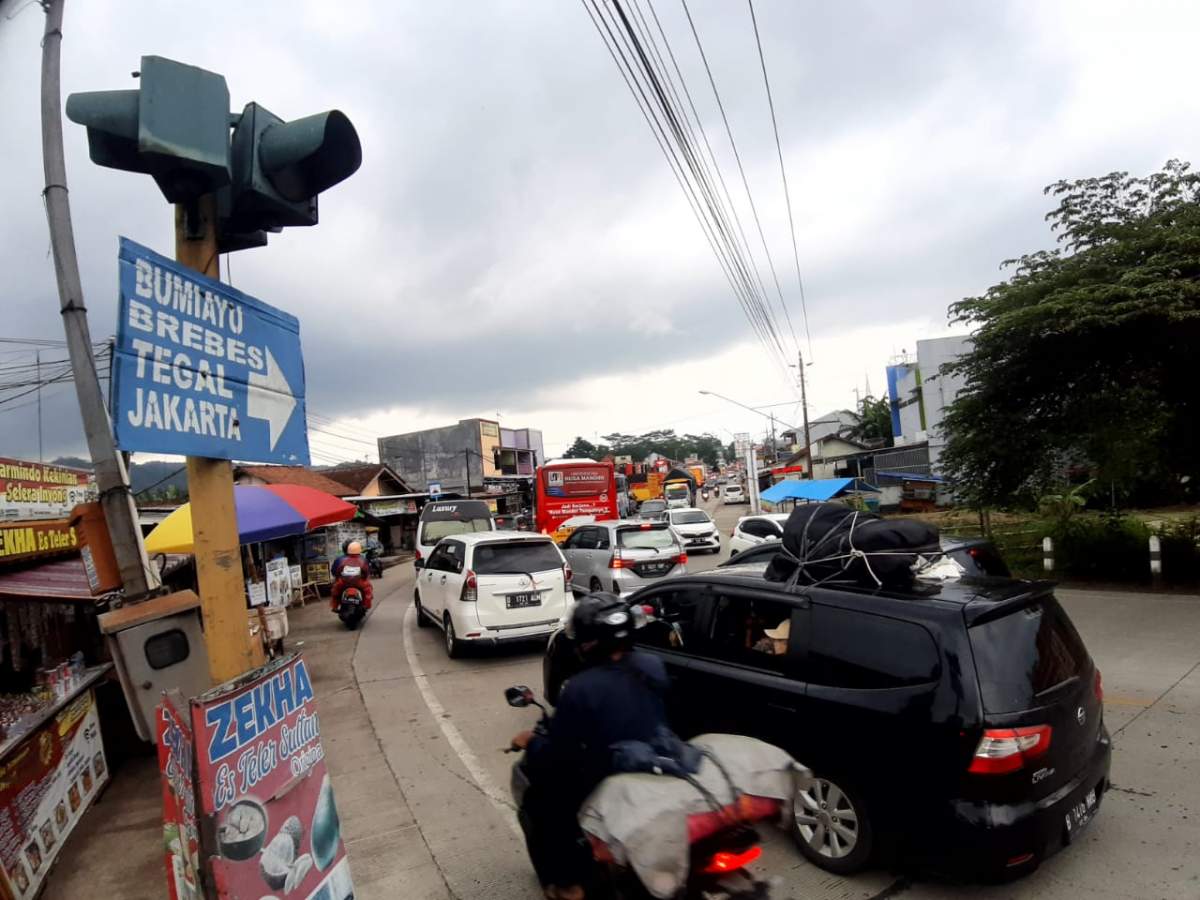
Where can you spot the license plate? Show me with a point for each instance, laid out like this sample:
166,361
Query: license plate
520,601
1080,815
654,568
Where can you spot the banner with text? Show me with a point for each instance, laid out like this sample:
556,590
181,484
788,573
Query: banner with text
30,490
264,788
45,786
181,836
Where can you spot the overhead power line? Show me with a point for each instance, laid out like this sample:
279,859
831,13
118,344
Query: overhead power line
634,51
783,174
741,169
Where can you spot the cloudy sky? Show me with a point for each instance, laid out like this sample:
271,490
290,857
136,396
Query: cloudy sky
514,242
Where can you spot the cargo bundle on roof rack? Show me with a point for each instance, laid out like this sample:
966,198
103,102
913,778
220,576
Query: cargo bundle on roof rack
828,541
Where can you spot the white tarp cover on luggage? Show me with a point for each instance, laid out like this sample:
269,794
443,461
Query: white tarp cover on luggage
643,818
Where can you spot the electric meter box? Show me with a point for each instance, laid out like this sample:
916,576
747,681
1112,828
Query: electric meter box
157,645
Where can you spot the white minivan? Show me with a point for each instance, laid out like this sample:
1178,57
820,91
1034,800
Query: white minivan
493,588
442,518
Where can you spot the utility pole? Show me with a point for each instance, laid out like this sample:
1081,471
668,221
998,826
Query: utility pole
774,446
112,477
215,543
467,470
37,362
804,404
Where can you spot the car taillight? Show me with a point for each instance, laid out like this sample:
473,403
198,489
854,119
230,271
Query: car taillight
470,590
725,861
418,554
681,559
1098,686
1003,750
567,573
615,561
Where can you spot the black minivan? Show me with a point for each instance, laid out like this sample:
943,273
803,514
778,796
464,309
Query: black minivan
957,724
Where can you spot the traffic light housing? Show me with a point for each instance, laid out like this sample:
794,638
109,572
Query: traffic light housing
175,127
279,168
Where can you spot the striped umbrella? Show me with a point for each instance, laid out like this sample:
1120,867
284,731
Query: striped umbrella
264,512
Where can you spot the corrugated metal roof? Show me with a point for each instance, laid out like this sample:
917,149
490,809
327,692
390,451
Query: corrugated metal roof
63,579
295,475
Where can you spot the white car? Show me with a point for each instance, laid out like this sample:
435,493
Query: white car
733,493
694,529
442,518
751,531
493,588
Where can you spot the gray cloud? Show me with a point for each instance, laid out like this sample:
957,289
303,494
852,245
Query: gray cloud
513,223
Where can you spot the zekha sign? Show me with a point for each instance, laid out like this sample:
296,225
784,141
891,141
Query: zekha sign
203,369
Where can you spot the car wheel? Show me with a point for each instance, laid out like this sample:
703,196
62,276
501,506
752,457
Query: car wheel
422,619
454,647
831,825
595,585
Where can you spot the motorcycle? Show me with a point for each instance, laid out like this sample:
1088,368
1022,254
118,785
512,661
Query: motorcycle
375,562
350,607
722,842
704,494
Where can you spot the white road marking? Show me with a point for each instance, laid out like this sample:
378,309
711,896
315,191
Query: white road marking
453,736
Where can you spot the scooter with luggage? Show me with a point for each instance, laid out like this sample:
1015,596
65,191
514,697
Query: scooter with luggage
682,836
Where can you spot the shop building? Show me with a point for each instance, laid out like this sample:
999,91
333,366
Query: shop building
62,714
473,458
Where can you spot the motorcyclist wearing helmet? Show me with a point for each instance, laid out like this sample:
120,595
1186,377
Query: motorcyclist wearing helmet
352,571
335,567
618,697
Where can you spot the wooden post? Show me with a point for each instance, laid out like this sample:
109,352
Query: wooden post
231,649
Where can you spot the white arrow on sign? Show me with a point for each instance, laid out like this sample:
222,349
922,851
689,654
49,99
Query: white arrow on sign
270,397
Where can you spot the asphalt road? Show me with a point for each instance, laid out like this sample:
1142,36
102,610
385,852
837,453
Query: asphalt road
442,725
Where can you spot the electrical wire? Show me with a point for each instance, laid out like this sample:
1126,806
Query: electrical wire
712,159
165,478
674,164
645,76
783,174
738,158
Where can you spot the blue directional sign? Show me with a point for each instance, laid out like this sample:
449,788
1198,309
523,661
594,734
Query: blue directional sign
203,369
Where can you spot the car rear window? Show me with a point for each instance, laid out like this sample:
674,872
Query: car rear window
659,538
694,517
515,558
1024,656
432,532
981,559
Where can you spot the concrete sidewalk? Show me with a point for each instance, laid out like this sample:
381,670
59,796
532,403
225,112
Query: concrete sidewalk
117,849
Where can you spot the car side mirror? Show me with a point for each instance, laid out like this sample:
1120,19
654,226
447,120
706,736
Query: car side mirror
518,695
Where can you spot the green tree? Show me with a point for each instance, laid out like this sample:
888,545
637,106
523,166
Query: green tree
1084,357
874,423
665,441
580,450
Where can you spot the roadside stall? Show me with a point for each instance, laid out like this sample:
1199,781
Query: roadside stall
397,515
52,658
275,525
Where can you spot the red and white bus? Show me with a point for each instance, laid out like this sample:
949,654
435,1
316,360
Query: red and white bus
567,488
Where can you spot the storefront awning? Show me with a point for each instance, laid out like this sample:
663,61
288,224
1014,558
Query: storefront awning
63,579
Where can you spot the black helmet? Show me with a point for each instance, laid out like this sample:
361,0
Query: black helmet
602,617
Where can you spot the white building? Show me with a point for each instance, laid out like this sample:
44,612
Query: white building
920,393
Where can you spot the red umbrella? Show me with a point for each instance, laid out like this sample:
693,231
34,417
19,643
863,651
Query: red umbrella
318,507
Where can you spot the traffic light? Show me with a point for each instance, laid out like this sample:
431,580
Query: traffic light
175,127
279,167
